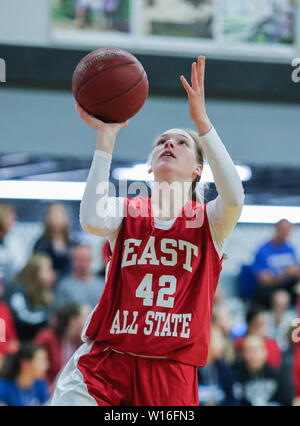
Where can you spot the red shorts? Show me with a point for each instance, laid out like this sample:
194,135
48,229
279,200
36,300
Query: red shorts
115,379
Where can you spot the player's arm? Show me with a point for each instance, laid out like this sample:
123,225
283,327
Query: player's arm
223,212
100,214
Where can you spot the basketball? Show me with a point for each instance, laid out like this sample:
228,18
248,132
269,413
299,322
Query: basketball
111,84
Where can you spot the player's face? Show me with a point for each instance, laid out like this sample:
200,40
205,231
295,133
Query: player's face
174,157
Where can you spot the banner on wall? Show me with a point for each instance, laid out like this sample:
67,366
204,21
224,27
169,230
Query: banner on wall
218,23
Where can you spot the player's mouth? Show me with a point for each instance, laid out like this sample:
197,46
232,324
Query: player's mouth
167,153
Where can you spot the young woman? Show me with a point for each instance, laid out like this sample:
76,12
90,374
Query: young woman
22,377
30,296
62,338
13,254
56,241
150,330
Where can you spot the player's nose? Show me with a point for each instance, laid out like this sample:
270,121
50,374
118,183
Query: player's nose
169,144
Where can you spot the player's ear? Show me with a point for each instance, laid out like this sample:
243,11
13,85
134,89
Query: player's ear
197,171
149,164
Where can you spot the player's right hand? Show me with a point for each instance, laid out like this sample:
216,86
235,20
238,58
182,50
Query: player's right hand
105,129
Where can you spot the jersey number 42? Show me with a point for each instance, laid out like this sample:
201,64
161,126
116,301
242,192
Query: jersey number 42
145,291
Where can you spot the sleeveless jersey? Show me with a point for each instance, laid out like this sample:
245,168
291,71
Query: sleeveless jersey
160,285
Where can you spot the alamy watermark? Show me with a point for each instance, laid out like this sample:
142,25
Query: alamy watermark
296,72
2,71
174,194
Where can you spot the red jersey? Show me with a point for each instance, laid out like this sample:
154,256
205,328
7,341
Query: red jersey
54,345
8,333
160,286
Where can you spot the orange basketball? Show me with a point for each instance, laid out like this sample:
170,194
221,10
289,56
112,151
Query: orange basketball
110,84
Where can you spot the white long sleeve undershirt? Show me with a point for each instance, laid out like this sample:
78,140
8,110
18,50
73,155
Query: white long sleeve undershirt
223,212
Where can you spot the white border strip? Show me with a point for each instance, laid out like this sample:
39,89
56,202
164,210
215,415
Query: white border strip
41,190
269,214
179,47
73,191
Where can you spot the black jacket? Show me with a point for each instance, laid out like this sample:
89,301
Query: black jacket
28,319
217,383
60,260
264,387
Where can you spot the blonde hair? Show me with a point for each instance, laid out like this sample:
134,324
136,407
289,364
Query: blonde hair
197,189
5,209
47,234
28,278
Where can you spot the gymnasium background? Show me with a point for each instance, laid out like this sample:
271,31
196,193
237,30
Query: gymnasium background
252,84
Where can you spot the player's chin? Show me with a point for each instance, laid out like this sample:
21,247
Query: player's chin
166,168
168,162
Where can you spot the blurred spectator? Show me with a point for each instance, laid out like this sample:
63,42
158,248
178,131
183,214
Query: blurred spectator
276,265
81,9
8,333
280,318
222,319
81,286
260,384
22,377
12,251
256,320
216,381
63,338
55,240
288,356
30,296
219,297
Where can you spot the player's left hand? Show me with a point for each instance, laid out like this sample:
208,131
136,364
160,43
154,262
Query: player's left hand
196,96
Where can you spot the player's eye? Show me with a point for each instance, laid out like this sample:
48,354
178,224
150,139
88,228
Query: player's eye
183,142
160,141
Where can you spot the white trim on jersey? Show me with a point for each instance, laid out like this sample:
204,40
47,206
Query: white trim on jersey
70,388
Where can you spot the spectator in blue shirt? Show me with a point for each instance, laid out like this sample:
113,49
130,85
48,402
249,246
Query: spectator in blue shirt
276,265
22,377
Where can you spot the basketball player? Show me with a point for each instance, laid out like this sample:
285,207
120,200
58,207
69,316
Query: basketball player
151,328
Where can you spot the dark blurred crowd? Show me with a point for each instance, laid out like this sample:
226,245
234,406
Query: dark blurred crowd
257,361
46,296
